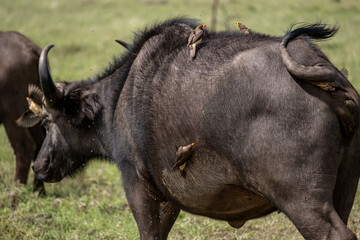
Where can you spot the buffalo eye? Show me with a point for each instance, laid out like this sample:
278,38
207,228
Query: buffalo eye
45,121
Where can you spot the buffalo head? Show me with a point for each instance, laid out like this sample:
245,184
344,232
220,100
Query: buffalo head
69,113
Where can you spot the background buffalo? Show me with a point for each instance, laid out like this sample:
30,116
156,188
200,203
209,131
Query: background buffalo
19,58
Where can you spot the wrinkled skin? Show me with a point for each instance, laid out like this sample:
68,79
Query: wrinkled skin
57,143
19,59
264,140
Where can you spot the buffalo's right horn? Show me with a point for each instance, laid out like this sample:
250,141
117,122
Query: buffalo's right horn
51,93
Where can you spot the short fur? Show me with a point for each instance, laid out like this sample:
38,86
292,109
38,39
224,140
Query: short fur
265,139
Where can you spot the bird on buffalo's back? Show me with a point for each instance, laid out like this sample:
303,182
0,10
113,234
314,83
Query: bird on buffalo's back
243,28
195,38
182,156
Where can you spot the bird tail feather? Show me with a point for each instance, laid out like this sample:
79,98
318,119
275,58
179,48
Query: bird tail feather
192,52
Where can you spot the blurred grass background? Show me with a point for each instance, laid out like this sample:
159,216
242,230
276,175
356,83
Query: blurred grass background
93,205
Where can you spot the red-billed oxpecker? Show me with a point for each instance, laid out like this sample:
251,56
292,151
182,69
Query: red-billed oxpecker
33,115
182,156
244,29
195,38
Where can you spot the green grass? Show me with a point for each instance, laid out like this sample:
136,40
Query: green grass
93,205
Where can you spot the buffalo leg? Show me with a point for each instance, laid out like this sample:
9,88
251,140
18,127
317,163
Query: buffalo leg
24,148
145,209
38,134
168,214
321,222
314,215
346,186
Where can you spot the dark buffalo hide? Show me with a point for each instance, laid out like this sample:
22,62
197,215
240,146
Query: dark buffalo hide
274,122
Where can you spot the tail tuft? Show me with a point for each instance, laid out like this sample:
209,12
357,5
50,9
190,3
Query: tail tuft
317,31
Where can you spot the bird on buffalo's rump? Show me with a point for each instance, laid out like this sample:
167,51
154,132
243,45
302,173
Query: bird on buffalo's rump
195,38
183,154
243,28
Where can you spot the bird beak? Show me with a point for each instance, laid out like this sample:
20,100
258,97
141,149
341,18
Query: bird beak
203,26
27,98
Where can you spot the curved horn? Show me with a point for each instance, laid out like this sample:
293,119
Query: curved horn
124,44
51,92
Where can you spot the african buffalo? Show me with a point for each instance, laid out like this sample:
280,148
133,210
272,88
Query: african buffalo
275,126
19,58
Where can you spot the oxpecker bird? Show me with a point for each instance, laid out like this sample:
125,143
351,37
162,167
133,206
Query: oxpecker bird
195,38
33,115
182,156
34,107
243,28
35,99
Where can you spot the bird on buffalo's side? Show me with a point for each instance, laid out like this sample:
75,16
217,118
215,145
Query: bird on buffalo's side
182,156
243,28
195,38
33,115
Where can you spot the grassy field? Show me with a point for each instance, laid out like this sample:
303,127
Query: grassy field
93,205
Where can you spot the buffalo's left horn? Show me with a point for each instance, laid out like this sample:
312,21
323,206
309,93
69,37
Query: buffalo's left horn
124,44
51,92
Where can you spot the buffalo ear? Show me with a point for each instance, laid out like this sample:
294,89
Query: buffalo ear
90,105
81,106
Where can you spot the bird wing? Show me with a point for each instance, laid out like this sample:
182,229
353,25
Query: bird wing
35,94
179,161
35,108
197,36
183,155
192,52
28,119
190,39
